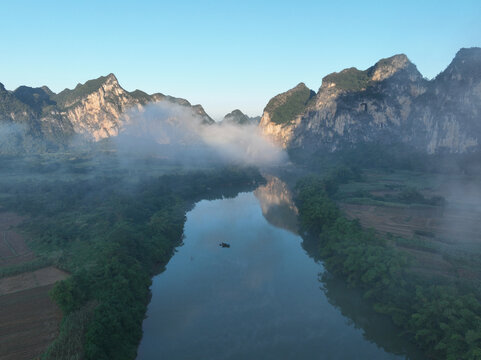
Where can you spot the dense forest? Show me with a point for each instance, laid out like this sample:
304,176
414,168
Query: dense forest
440,315
112,235
112,228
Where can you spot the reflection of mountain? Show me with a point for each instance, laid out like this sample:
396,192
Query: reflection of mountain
277,205
279,209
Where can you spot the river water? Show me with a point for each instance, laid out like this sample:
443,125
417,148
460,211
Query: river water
262,298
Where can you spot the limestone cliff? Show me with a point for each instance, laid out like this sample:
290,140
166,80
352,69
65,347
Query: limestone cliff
94,109
37,119
283,114
450,110
389,102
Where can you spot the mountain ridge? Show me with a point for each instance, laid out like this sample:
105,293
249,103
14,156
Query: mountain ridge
389,102
237,117
42,120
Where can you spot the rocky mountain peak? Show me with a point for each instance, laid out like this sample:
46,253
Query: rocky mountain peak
111,78
468,56
199,110
36,98
300,86
387,103
47,90
235,112
238,117
466,64
105,82
385,68
92,111
110,81
235,116
353,79
67,97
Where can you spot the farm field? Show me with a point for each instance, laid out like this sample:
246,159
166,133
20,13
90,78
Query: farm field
443,239
29,319
29,322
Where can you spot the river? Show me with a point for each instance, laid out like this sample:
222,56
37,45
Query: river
261,298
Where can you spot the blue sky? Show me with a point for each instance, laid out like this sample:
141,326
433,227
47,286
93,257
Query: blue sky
224,54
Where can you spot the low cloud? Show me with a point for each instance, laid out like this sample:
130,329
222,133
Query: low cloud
11,135
176,132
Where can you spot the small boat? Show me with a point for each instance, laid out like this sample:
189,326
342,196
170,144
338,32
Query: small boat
224,245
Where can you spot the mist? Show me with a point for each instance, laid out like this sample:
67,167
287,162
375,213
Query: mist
175,132
10,135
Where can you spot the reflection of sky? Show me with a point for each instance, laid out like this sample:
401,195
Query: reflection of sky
258,299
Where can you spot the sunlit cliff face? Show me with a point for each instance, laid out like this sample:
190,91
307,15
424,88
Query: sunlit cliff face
277,204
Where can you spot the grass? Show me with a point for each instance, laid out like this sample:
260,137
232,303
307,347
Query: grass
38,263
417,244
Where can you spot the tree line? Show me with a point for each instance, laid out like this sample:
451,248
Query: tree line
112,236
442,317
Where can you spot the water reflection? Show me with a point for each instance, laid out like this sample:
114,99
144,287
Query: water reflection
277,204
376,328
278,208
258,299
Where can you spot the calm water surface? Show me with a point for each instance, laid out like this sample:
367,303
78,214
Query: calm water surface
259,299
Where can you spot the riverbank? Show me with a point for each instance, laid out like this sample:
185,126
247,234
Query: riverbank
258,299
111,234
440,315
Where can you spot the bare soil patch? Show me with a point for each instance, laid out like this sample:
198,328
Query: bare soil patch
29,319
28,280
29,322
457,225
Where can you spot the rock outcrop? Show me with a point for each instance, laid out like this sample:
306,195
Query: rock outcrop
388,103
282,114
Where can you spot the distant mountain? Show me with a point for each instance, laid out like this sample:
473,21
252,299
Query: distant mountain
37,119
388,103
239,118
